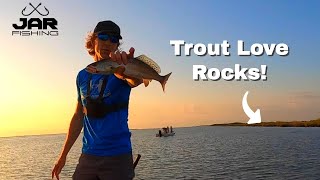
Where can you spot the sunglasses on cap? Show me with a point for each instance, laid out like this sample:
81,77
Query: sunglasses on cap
106,37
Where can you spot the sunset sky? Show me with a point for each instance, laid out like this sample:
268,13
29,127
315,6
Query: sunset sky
38,89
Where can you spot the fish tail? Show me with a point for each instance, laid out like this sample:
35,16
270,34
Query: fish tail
164,81
146,82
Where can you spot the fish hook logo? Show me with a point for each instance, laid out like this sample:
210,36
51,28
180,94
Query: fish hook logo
35,26
35,9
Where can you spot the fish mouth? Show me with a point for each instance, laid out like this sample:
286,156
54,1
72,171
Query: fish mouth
91,69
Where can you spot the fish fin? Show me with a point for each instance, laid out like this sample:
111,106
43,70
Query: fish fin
149,62
146,82
119,69
119,72
164,81
114,70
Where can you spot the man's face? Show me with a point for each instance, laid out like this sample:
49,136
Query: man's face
104,47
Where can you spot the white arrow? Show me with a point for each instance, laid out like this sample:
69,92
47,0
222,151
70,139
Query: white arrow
255,117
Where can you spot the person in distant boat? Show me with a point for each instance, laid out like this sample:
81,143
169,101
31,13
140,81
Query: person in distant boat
160,133
102,112
171,129
165,130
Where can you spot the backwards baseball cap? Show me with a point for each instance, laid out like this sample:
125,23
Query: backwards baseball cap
108,27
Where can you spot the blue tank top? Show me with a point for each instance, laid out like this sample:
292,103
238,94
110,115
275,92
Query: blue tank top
110,135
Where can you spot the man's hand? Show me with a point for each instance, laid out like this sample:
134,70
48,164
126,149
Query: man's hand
58,167
122,58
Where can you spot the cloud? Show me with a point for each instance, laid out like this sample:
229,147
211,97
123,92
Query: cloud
305,95
297,99
195,109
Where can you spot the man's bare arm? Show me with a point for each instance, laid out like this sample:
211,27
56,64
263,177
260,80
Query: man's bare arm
75,128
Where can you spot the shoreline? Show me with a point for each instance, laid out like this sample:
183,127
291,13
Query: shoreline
311,123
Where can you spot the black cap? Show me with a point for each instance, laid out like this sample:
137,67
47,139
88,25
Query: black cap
108,27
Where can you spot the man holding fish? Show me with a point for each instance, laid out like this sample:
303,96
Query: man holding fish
102,110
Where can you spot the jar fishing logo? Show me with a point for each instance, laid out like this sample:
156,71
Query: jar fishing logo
31,25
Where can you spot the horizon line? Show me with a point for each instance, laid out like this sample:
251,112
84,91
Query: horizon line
49,134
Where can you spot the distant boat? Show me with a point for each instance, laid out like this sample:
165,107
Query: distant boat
165,134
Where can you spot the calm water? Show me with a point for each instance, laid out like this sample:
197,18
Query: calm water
193,153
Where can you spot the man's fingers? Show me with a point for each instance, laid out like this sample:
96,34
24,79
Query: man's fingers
57,172
57,175
131,53
52,173
54,170
112,56
124,57
118,58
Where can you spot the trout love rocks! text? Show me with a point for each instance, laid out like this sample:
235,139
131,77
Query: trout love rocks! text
201,72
